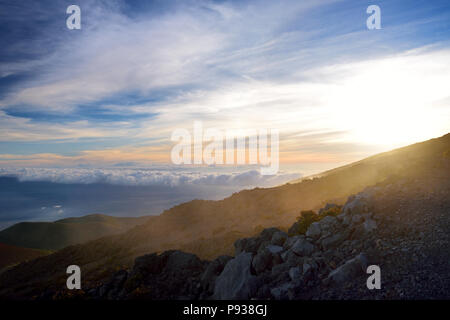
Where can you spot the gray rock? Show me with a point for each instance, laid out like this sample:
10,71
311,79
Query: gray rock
262,261
281,271
294,229
308,271
359,232
263,245
367,216
236,280
314,231
328,221
213,270
356,219
306,268
281,292
149,263
267,234
179,260
295,273
357,204
291,259
291,241
345,218
279,238
328,225
303,247
334,240
274,249
369,225
346,272
247,245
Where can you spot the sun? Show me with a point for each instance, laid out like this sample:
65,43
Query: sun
391,102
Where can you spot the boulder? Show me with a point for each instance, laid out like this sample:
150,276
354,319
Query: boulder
346,219
236,281
179,260
247,245
262,261
291,241
281,292
274,249
328,221
213,270
267,234
293,230
333,241
116,284
291,259
328,225
295,273
358,204
303,247
359,232
171,275
356,219
348,271
149,263
307,271
266,258
314,231
369,225
279,238
336,239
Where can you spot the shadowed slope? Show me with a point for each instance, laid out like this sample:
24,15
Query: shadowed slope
62,233
10,255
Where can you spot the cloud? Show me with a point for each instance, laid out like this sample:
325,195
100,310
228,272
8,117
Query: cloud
312,71
197,44
343,113
25,129
148,177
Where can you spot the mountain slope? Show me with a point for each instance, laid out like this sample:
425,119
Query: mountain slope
401,226
65,232
10,255
209,228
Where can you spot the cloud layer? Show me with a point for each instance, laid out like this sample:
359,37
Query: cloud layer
148,177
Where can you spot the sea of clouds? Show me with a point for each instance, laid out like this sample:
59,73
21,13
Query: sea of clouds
149,177
49,194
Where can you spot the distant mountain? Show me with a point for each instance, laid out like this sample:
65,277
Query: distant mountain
65,232
10,255
209,228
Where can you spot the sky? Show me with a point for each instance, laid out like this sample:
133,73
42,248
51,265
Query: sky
111,93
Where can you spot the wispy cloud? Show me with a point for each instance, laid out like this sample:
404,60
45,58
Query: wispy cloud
308,68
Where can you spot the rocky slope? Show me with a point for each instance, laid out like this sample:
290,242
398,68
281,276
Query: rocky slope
400,222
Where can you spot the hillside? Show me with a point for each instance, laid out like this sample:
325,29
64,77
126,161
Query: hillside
401,226
65,232
10,255
209,228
